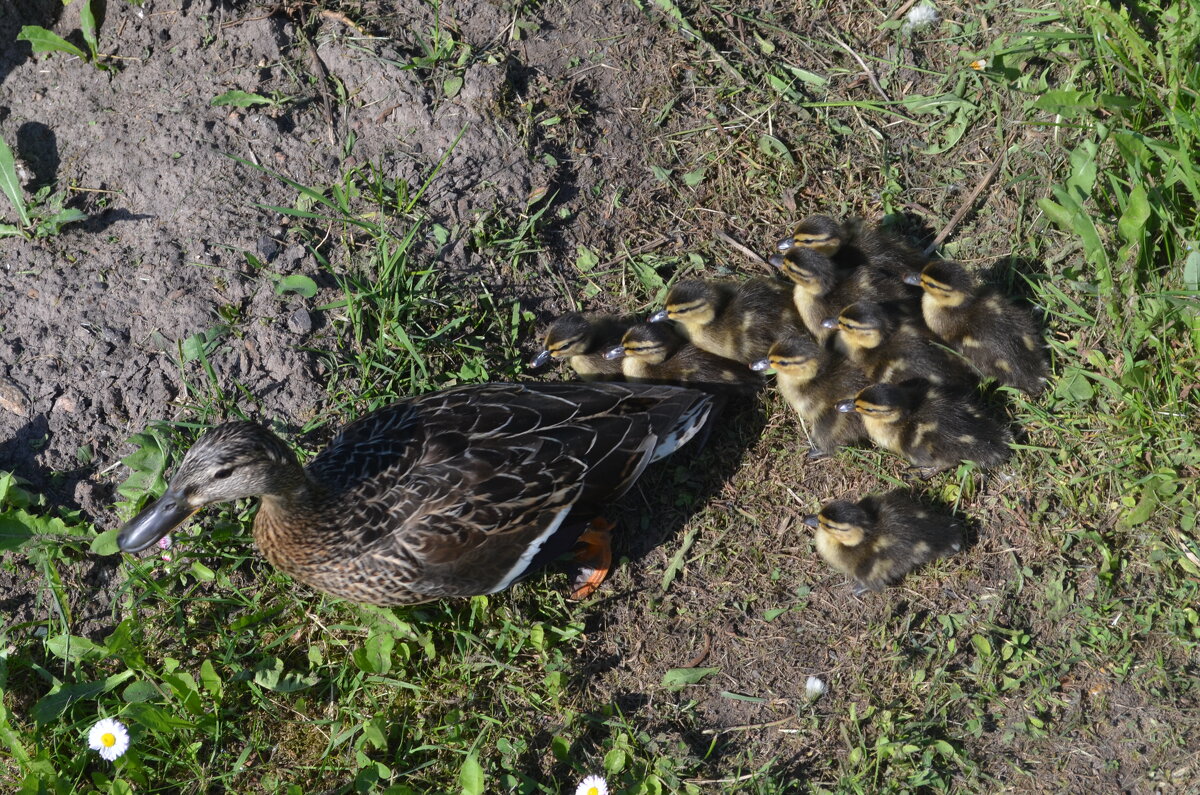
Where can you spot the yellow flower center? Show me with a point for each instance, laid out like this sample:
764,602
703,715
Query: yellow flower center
109,739
593,791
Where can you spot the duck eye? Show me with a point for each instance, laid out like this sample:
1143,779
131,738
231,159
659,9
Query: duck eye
222,473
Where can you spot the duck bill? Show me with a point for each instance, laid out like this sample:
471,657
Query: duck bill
845,406
810,520
913,278
830,322
760,366
614,353
541,360
155,521
775,261
785,243
658,316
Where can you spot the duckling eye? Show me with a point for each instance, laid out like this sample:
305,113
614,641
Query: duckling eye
222,473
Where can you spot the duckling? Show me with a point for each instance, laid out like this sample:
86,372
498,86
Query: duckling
933,428
822,289
455,493
892,348
653,353
583,341
736,320
880,539
998,338
854,244
812,378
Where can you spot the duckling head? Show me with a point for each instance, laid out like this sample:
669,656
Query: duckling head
795,357
947,283
811,270
817,232
651,342
569,335
864,324
232,461
845,521
879,402
693,302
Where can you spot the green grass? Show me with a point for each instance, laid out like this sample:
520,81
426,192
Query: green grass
1065,636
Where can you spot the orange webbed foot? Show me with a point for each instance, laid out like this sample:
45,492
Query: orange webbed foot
593,554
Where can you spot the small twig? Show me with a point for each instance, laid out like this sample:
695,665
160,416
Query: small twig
902,10
702,656
749,726
734,780
749,253
969,203
866,70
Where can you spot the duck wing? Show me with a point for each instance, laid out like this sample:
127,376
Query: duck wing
462,492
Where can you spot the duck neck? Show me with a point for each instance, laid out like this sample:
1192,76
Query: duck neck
292,528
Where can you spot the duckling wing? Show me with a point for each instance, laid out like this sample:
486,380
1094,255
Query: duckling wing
465,491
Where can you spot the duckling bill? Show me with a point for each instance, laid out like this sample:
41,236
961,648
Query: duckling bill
455,493
880,539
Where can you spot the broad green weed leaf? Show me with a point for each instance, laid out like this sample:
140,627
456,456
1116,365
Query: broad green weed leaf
49,227
51,707
679,678
106,542
87,26
297,283
13,530
811,78
240,99
270,674
210,679
470,776
1191,269
75,648
11,185
43,40
1136,213
140,692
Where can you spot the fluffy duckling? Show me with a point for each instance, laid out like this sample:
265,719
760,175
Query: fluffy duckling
854,244
892,349
880,539
583,341
654,353
736,320
812,379
819,290
1000,339
933,428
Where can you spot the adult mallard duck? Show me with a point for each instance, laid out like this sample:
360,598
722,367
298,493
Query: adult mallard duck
879,539
455,493
583,341
736,320
997,337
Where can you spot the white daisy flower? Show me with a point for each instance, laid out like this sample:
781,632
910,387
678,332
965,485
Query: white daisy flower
814,688
921,16
592,785
109,737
